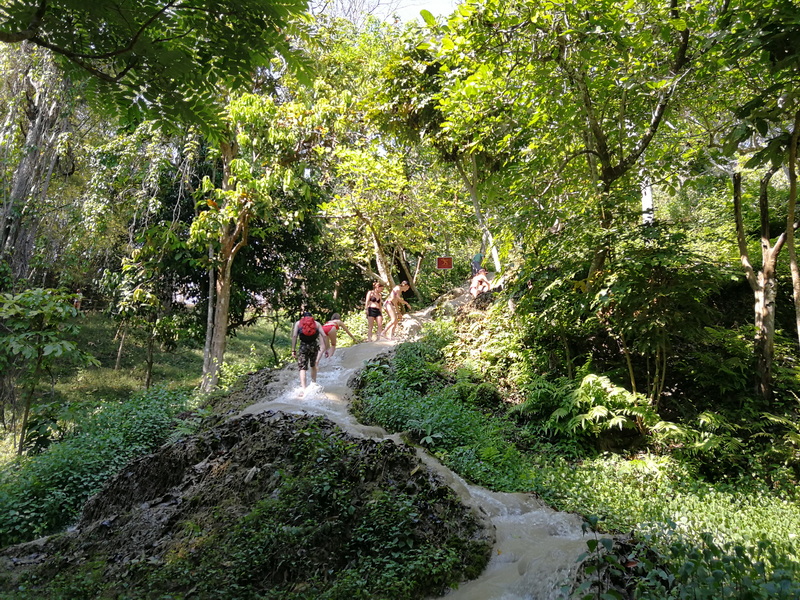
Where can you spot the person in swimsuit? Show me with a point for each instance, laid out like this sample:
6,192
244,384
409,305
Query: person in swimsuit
392,306
331,328
372,304
479,284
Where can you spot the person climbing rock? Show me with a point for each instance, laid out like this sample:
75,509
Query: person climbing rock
479,284
309,332
331,329
476,263
392,306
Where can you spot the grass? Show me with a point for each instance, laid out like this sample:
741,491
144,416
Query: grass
73,391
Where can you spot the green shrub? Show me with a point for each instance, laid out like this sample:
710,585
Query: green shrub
41,493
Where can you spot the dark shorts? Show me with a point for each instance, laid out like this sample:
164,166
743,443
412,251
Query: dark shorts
373,312
307,355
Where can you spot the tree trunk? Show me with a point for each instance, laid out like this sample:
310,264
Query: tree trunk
27,411
471,181
384,271
232,239
409,278
763,284
18,218
765,296
119,350
219,337
790,221
212,286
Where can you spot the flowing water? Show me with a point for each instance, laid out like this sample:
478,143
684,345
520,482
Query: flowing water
535,549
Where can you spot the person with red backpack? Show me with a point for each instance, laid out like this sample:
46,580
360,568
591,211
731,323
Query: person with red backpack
309,332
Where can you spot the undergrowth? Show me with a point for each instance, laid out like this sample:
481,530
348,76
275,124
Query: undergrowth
41,493
711,539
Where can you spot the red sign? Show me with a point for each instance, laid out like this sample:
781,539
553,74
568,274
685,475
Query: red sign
444,262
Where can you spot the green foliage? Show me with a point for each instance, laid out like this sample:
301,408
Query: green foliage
643,493
146,60
34,326
42,493
446,417
321,533
597,405
706,569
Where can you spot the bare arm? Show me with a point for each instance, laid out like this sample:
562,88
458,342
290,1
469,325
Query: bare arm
347,331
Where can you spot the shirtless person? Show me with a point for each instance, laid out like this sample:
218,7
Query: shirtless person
392,306
479,284
331,328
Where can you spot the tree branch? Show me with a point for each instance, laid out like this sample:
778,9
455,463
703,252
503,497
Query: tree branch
31,31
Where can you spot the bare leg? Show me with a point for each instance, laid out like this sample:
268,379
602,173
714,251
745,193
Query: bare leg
332,341
303,378
389,331
378,332
313,374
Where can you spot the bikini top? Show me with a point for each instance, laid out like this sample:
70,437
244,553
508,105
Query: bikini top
374,299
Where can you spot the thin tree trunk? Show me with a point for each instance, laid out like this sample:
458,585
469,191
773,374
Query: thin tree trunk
212,286
119,350
27,411
418,268
471,181
763,283
384,271
790,221
275,323
404,265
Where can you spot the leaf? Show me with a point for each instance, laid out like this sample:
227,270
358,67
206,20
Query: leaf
428,17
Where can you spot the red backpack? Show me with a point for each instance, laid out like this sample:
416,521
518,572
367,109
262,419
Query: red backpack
307,329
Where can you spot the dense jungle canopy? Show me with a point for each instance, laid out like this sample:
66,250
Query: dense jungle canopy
177,174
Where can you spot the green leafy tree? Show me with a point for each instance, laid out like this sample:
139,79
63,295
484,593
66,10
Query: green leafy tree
758,42
34,326
161,59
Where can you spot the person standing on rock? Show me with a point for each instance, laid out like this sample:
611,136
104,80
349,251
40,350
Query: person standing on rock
309,332
372,306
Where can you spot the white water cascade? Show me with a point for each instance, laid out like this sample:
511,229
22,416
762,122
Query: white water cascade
535,548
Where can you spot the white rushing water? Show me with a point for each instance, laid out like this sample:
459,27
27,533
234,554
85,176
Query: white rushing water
535,549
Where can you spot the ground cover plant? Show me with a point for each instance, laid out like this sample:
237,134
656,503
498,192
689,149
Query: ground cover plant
265,506
95,419
710,537
42,493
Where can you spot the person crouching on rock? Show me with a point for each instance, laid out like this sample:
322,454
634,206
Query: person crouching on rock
479,284
309,333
